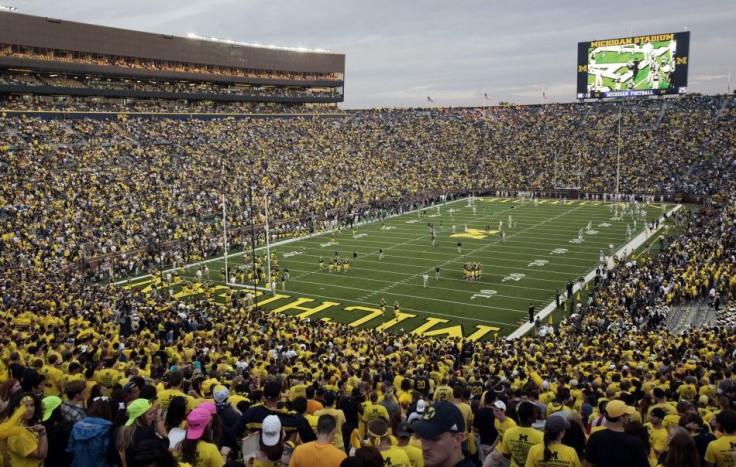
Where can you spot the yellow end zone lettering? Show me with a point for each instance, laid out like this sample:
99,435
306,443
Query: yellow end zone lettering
372,314
425,329
452,331
482,330
391,323
296,305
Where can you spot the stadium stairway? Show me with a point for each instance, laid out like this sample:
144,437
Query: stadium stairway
719,114
693,314
705,315
679,318
662,112
585,117
14,131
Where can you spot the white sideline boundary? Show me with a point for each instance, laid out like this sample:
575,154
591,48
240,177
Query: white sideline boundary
635,243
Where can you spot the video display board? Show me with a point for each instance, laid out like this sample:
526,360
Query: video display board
650,65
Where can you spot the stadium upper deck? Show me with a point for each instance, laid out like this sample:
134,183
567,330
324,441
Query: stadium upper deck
50,57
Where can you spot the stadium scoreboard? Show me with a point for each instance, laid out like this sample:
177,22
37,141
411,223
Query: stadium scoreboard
652,65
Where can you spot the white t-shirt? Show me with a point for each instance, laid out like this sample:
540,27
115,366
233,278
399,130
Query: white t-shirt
176,435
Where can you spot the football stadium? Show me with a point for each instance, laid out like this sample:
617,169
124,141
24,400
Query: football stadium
207,261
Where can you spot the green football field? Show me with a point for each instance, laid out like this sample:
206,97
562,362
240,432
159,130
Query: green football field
540,253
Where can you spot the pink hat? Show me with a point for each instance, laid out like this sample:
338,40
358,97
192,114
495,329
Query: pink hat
208,407
197,421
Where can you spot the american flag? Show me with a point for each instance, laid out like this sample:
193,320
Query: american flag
486,97
544,95
429,99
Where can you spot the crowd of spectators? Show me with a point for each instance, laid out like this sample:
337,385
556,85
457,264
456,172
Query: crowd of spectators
157,65
157,106
355,162
182,89
119,188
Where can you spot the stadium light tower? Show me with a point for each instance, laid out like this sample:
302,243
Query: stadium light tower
160,208
253,243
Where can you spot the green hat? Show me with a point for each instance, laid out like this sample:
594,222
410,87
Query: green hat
137,408
49,404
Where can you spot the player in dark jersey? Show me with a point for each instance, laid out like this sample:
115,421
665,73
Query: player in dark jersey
421,383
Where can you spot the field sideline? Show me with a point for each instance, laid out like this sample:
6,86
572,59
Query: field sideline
540,253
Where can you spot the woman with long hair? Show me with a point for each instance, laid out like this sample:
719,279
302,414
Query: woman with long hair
681,449
144,422
197,448
174,421
575,435
215,422
551,451
90,437
701,435
27,446
95,392
9,387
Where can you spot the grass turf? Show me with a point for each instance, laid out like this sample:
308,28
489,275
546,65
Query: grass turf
540,254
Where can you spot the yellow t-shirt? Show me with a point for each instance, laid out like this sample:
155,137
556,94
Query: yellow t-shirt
658,438
53,381
719,451
416,458
671,421
20,445
442,393
298,390
266,463
207,455
108,377
517,441
467,414
501,427
374,411
562,456
668,409
165,396
395,457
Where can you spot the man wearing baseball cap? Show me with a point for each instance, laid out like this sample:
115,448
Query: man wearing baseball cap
442,432
252,419
271,430
612,447
403,435
517,440
502,423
